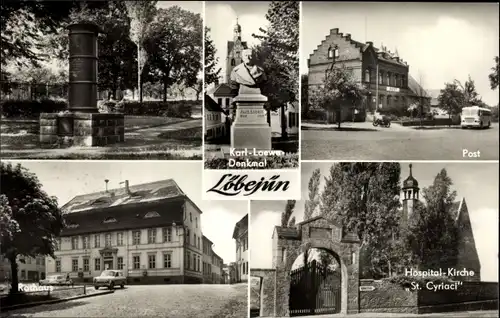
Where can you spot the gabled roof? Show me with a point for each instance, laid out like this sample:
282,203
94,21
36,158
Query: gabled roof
241,226
141,193
211,105
286,232
225,90
207,239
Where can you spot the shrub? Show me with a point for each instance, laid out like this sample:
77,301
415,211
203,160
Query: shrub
287,161
179,109
314,114
109,106
31,108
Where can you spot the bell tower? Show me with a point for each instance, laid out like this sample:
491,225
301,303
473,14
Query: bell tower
234,49
410,197
237,32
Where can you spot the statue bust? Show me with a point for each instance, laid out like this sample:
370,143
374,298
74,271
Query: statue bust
247,73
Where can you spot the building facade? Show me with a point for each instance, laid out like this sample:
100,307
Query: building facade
291,120
217,264
384,74
29,269
152,232
240,235
216,121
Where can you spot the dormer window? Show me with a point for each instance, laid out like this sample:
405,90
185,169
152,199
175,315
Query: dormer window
109,220
152,214
73,226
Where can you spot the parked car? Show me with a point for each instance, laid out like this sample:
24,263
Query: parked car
55,280
110,279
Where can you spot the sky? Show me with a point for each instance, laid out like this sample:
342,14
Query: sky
220,17
440,41
67,179
477,182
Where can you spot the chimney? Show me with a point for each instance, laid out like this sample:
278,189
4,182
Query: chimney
106,180
348,36
369,43
336,30
127,188
216,82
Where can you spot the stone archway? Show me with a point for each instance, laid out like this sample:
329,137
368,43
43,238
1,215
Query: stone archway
318,232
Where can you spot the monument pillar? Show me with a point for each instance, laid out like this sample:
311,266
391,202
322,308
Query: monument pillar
82,124
250,128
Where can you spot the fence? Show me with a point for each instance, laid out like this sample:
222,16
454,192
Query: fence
33,91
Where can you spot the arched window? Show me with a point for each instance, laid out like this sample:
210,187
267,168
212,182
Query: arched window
396,80
380,76
367,76
233,62
330,53
388,79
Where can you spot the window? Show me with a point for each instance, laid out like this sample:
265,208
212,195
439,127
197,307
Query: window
86,242
188,236
353,258
151,236
137,261
198,263
109,220
167,260
233,62
228,101
367,76
97,264
74,243
396,80
388,79
119,239
136,237
194,261
86,265
97,240
119,262
380,76
23,274
152,214
199,243
246,267
152,261
219,101
58,245
58,266
74,265
28,260
188,260
196,222
194,243
107,240
167,234
191,214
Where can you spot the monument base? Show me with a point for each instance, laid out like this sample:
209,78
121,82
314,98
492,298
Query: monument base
251,136
81,129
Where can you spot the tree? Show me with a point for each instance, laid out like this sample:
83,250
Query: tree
278,55
304,97
365,196
471,97
198,88
493,76
291,223
141,14
37,214
451,99
433,234
313,201
211,70
339,90
174,45
287,214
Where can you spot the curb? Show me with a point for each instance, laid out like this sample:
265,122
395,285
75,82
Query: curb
54,301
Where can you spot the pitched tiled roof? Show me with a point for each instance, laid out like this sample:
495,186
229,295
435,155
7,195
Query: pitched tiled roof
207,239
287,232
225,90
211,105
141,193
241,226
125,217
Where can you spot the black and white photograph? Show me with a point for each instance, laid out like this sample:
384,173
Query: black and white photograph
251,100
102,80
379,239
119,239
399,81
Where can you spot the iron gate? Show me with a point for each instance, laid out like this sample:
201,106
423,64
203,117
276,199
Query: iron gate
314,289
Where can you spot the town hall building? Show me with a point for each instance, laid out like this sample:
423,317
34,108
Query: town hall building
152,232
384,74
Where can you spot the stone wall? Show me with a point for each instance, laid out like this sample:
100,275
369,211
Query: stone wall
387,297
267,291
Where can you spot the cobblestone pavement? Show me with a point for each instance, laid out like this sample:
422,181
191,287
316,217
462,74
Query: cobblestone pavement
362,141
176,301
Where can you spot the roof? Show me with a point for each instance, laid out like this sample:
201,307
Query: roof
211,105
125,217
141,193
286,232
225,90
241,226
455,209
230,46
207,239
415,87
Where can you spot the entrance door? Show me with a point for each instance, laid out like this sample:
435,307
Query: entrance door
108,264
314,289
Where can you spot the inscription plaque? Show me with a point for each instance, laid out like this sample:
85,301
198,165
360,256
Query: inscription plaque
320,232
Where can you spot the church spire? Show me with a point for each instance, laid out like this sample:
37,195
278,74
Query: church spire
237,31
411,175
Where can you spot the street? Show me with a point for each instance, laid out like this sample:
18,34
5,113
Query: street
362,141
460,314
224,301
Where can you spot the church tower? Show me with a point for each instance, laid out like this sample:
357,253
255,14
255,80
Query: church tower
234,49
410,197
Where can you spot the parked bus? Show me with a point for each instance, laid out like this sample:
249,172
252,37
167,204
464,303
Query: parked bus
475,116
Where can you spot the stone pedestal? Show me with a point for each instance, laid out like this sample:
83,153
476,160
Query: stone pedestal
81,129
250,128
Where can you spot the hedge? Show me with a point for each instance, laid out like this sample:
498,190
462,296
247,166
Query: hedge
33,108
30,108
431,122
287,161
